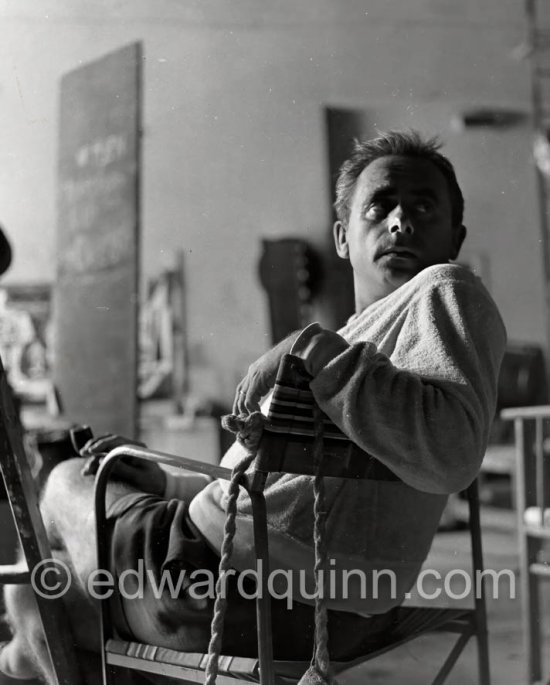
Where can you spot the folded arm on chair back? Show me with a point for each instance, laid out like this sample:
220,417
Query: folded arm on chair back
288,437
415,387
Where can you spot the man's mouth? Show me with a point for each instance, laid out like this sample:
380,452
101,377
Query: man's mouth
398,252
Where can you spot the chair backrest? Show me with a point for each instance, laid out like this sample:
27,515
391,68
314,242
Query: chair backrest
532,432
521,383
522,377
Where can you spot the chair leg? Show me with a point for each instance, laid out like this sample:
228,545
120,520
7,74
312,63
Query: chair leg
531,611
451,660
483,657
112,675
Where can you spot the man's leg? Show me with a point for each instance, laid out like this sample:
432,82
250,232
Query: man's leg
67,507
146,532
144,529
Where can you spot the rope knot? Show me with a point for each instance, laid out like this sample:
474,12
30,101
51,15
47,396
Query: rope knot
247,427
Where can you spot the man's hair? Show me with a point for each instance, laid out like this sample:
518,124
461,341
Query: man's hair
405,144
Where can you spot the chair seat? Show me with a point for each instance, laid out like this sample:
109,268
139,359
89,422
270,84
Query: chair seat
412,622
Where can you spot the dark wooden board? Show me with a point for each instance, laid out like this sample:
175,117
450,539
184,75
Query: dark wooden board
95,295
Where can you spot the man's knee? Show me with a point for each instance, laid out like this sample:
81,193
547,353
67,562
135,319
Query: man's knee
67,505
67,494
67,482
66,479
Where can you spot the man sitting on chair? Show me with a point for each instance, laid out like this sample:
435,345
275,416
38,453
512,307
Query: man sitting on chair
411,379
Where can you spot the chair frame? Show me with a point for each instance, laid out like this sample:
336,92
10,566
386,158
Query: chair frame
532,475
466,622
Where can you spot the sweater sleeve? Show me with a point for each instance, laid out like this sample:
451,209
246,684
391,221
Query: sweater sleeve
426,415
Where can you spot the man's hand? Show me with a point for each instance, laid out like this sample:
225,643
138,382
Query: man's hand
105,443
141,474
260,377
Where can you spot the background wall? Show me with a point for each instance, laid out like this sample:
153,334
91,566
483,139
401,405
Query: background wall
235,144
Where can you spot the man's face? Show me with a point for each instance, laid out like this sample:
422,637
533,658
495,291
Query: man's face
400,222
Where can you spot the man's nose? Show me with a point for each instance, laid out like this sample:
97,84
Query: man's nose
399,222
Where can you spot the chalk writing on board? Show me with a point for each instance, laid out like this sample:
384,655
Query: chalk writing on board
109,248
85,200
102,151
92,187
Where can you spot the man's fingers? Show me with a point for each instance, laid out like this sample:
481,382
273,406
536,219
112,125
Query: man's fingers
243,403
91,466
252,403
248,403
248,396
235,408
96,445
106,443
240,397
239,406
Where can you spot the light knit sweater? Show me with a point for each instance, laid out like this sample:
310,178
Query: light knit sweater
415,388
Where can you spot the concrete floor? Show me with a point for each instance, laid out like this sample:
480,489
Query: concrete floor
417,662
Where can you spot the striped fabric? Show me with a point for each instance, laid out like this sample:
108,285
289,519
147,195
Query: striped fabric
292,404
291,413
287,441
155,659
291,410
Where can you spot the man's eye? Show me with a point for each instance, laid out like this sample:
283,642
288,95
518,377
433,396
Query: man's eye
375,210
424,206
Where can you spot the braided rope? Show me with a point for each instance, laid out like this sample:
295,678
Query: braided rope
321,552
319,671
249,431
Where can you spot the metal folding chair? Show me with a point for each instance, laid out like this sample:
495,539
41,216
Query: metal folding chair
532,434
287,448
23,498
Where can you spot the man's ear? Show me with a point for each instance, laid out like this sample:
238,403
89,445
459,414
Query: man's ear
459,234
341,239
